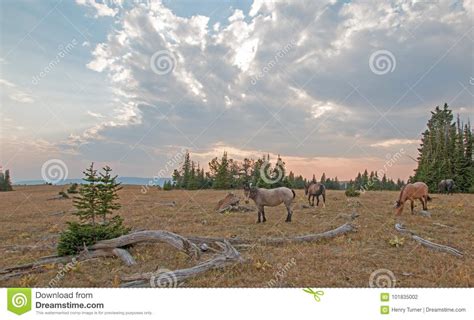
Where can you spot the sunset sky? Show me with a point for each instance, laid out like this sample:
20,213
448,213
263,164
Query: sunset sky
333,86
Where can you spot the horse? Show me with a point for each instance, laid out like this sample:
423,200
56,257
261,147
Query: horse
271,198
446,186
315,189
412,192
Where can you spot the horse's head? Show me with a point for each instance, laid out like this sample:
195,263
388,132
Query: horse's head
397,204
249,192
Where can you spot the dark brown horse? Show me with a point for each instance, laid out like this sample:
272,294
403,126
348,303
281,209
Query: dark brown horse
315,189
412,192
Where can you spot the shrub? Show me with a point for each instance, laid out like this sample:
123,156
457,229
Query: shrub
351,192
73,188
78,235
167,185
471,189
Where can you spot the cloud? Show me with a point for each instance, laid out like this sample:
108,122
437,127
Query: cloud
394,142
100,9
15,94
320,98
95,115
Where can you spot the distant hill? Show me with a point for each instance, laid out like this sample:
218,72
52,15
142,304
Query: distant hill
124,180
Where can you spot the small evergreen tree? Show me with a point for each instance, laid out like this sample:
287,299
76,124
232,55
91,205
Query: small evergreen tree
97,198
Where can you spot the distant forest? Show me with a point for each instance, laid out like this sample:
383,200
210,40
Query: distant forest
445,152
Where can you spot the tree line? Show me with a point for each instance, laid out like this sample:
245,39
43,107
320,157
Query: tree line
227,173
371,181
446,152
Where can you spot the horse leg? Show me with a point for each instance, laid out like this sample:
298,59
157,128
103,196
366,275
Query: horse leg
309,199
288,208
412,205
324,199
424,202
259,214
317,202
263,214
312,204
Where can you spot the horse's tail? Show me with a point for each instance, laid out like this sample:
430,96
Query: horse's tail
294,193
322,189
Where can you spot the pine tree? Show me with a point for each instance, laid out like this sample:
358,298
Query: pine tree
87,203
107,193
6,184
221,180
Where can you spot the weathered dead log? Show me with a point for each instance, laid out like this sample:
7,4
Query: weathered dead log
435,246
167,204
125,256
38,265
173,239
424,213
229,200
236,208
228,255
345,228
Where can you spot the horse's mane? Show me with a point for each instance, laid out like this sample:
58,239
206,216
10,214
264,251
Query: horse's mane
401,192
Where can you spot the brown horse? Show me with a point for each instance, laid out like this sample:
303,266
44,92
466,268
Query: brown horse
315,189
412,192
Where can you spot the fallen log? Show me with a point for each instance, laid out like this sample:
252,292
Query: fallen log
229,255
435,246
173,239
345,228
229,201
235,208
167,204
192,245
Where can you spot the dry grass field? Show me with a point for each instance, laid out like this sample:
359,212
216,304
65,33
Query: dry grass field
28,219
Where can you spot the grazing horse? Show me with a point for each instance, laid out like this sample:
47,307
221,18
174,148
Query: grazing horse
446,186
412,192
315,189
271,198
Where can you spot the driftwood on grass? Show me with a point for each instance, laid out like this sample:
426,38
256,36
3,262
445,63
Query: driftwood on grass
229,201
425,213
236,208
345,228
167,204
435,246
228,255
191,245
173,239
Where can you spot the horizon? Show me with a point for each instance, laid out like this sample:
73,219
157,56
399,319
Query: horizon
332,86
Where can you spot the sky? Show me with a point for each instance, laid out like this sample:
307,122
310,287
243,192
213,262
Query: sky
331,86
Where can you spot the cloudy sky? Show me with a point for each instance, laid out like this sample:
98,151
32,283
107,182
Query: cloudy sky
334,86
